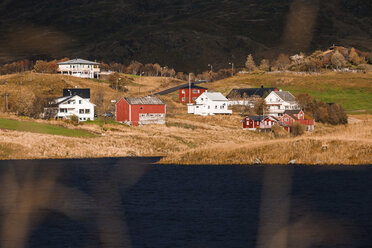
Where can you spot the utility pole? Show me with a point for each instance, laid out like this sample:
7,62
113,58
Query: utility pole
6,101
211,67
232,68
189,87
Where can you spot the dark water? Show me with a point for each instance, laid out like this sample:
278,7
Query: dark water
131,203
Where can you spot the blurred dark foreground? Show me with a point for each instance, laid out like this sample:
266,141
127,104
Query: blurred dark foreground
132,203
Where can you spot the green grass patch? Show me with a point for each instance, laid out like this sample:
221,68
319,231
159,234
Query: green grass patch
352,91
101,121
34,127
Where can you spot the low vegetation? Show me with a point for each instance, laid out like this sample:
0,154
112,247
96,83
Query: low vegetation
188,139
34,127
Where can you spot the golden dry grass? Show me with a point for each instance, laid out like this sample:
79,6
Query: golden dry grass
189,139
28,85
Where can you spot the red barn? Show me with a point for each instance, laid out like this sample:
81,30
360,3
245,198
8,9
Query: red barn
187,94
261,122
140,110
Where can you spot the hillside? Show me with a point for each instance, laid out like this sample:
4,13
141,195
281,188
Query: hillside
25,88
352,90
186,35
189,139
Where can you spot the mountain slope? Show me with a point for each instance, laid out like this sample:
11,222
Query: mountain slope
185,34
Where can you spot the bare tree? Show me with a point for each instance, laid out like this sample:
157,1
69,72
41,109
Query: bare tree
338,60
249,63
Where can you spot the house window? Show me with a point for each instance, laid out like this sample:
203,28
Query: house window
183,99
152,115
222,106
80,118
183,91
197,106
63,110
141,107
194,98
80,101
81,111
209,107
87,111
194,91
143,115
286,119
215,107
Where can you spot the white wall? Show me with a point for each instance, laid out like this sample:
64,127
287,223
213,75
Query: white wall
78,106
205,106
277,106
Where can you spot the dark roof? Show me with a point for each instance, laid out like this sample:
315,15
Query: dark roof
56,104
292,112
84,93
193,86
250,92
78,61
257,118
144,100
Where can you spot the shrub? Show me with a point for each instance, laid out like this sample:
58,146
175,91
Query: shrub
74,120
278,131
297,129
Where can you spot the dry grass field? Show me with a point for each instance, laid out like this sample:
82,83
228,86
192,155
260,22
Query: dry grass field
186,139
26,86
190,139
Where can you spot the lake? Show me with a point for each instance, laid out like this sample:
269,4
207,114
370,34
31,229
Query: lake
130,202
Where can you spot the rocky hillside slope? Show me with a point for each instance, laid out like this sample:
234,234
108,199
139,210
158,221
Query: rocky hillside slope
185,34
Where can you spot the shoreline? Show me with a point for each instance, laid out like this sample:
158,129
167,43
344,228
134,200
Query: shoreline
160,163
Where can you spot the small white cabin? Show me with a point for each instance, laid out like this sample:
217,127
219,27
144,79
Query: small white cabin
209,103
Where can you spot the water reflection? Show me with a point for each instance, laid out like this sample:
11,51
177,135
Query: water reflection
131,203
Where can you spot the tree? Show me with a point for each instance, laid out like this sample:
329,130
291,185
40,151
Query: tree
118,81
249,63
264,65
282,61
297,129
172,72
305,101
157,68
355,58
180,75
104,66
338,60
42,66
260,106
134,67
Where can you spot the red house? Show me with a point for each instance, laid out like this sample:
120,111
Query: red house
261,122
291,116
140,110
188,94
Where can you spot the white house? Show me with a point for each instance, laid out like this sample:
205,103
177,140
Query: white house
79,68
280,101
67,106
209,103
